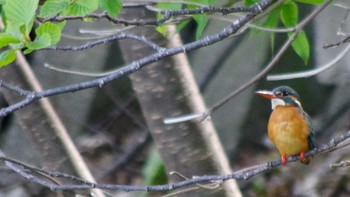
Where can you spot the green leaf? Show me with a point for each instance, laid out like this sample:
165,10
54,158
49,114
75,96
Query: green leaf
169,6
40,42
166,6
13,30
200,19
62,24
250,2
53,7
272,22
27,29
51,29
48,34
162,29
289,17
7,57
289,14
154,170
311,1
2,2
21,12
205,2
301,46
82,7
6,39
112,7
182,25
272,19
202,22
210,2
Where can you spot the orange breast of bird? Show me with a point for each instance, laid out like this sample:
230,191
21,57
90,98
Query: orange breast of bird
288,130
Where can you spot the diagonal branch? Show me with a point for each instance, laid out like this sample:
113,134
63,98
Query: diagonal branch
256,78
285,46
166,15
136,65
310,73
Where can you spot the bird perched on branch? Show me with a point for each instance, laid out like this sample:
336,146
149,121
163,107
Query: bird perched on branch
289,127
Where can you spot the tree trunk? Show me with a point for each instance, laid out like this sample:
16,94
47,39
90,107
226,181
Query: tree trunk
167,88
53,147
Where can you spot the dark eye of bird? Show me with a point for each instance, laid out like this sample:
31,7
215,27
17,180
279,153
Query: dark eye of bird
285,93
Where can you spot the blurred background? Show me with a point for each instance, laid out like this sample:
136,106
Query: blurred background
110,131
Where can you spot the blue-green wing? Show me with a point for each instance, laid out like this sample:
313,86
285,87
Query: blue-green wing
311,138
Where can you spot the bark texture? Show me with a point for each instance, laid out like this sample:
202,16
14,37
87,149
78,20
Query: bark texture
167,88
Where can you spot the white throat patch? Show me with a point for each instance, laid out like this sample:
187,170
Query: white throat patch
277,102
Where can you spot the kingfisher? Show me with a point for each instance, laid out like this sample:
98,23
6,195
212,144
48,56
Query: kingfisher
289,127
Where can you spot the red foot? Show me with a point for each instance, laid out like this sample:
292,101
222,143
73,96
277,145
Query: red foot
284,160
302,157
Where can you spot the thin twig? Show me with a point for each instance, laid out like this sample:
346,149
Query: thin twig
209,186
274,30
342,164
16,89
275,59
77,72
345,40
121,36
312,72
105,32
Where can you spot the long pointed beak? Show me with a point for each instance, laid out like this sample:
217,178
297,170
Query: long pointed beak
265,94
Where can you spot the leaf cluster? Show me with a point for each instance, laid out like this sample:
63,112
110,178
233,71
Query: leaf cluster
19,17
288,14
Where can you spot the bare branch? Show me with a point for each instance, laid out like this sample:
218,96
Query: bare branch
345,40
275,59
136,65
167,15
140,22
210,9
31,173
16,89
